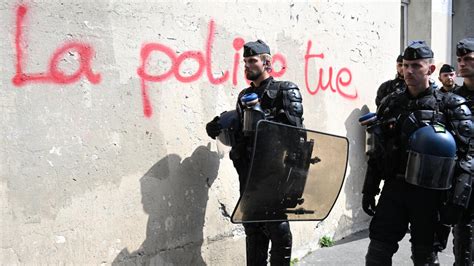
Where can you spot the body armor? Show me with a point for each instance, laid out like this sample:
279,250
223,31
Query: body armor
388,87
462,196
402,115
281,102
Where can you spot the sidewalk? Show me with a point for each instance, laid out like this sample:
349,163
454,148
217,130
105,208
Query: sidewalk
352,249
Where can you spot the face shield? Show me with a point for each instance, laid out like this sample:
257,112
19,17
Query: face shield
229,123
431,158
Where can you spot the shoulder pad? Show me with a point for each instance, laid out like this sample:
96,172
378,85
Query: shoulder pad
390,98
273,89
242,92
288,85
453,100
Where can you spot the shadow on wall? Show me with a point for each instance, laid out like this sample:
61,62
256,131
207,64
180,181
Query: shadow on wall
355,178
174,195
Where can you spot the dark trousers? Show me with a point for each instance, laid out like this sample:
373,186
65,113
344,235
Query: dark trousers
258,236
402,204
463,237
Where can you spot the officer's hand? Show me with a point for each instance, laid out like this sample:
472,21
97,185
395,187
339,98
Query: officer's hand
450,214
213,128
368,204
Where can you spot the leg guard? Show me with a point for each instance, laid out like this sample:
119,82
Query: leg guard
256,245
463,242
282,241
441,237
380,253
424,256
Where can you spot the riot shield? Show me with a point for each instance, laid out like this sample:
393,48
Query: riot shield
296,175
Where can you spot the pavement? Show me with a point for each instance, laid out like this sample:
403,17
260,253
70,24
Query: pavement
352,249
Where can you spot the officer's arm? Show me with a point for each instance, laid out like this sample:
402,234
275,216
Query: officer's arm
292,103
382,92
237,152
459,117
374,170
373,175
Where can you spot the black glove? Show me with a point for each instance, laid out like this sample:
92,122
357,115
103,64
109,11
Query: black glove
368,204
213,128
450,213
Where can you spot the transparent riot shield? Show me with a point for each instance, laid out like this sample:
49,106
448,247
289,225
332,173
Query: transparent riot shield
295,174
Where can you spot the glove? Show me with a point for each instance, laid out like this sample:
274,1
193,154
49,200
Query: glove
213,128
450,213
368,204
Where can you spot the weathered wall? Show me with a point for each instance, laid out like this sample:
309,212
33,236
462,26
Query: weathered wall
463,23
441,22
104,156
420,20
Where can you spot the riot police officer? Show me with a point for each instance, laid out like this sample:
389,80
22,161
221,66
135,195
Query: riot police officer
279,101
446,76
389,86
464,226
423,139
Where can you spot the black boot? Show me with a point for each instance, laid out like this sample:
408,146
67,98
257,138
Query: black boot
424,256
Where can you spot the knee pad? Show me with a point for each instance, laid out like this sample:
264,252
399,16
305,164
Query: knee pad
280,234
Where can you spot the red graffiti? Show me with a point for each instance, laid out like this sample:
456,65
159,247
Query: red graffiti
343,77
204,62
54,74
238,44
282,61
340,83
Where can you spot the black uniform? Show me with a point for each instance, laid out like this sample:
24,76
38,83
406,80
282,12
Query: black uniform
402,203
388,87
463,229
456,86
281,102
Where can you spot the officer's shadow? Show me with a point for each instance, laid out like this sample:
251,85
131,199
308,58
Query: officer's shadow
355,178
174,195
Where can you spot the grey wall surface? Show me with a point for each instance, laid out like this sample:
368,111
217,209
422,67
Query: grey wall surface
104,156
463,23
419,20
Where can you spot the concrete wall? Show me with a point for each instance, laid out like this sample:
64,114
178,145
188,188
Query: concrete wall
432,21
104,156
463,23
420,20
441,21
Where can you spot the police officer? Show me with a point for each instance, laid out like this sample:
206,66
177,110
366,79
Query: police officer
446,77
463,229
281,102
417,126
392,85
